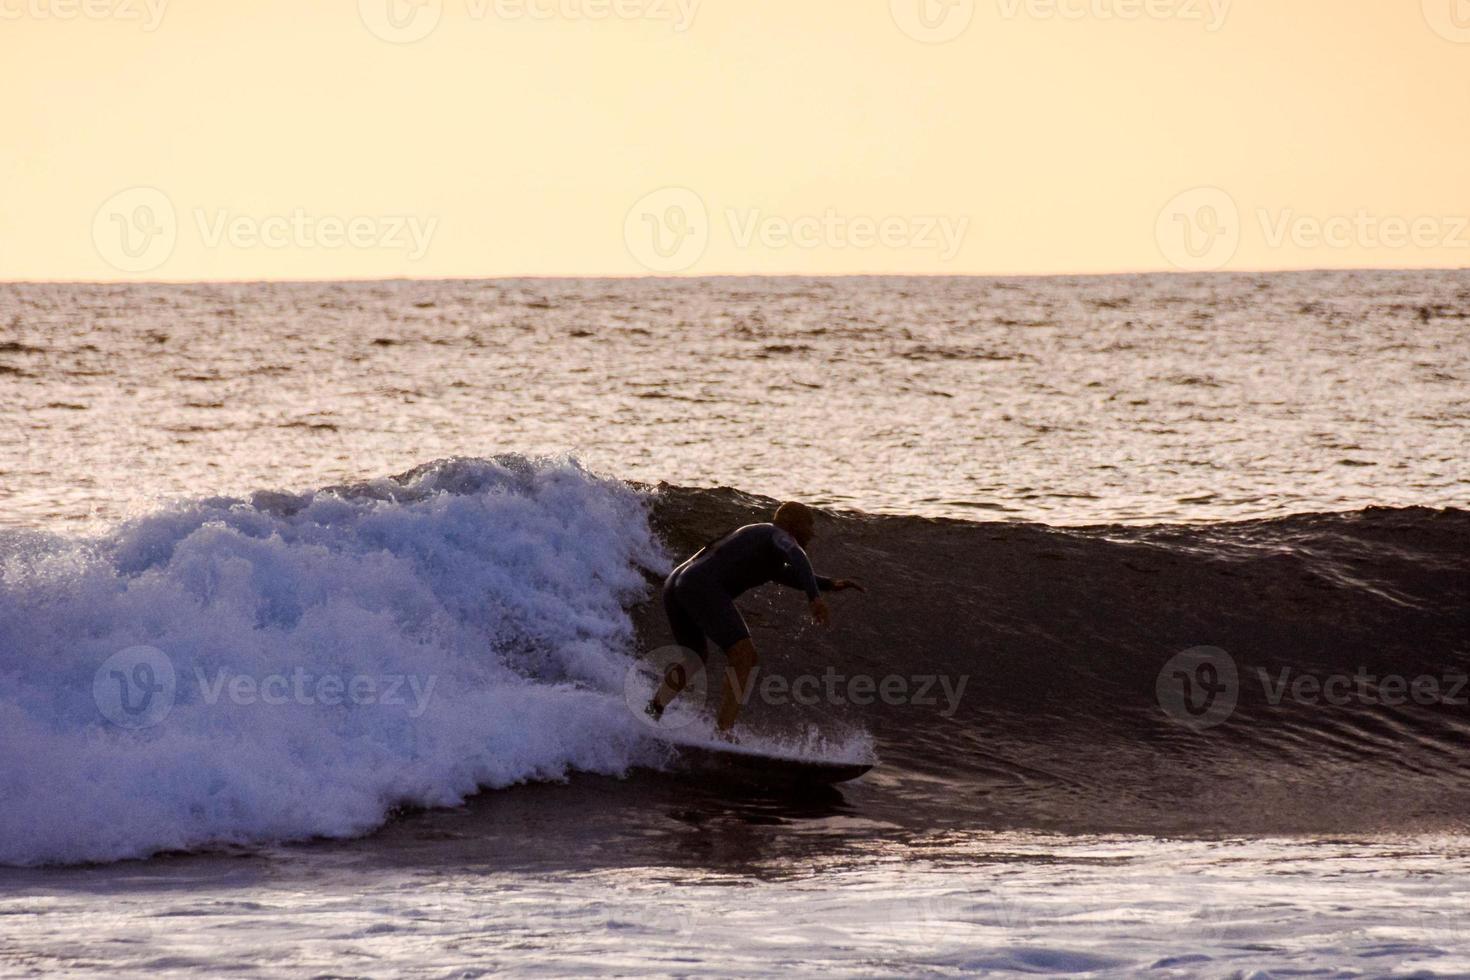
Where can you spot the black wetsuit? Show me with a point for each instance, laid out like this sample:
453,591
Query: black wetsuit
699,594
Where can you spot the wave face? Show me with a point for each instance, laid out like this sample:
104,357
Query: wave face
1074,646
330,655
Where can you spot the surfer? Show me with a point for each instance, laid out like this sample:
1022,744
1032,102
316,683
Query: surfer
699,599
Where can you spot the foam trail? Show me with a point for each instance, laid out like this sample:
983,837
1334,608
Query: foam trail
334,655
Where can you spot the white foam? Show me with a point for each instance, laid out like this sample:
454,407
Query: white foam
854,747
493,591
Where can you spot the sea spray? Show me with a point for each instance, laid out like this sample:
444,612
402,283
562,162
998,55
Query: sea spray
328,655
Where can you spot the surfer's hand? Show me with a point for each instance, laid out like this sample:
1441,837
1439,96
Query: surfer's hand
820,615
843,584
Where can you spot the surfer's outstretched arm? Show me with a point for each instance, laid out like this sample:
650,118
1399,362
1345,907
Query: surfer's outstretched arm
798,573
792,580
789,579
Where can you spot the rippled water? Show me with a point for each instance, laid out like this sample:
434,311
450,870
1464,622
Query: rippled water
1139,398
985,904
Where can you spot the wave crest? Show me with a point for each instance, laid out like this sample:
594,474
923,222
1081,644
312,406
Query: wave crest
333,655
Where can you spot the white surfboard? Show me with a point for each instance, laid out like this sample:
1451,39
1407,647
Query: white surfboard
759,764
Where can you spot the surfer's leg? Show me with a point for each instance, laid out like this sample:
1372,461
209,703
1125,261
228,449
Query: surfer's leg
723,624
709,613
742,660
688,635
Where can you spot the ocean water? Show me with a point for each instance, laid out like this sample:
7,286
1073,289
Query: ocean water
1067,401
326,616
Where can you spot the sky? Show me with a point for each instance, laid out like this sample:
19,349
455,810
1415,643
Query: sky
326,139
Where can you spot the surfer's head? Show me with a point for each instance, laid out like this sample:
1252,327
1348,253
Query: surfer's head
796,520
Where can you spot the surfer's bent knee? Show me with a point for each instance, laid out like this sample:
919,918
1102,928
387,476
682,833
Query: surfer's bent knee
742,653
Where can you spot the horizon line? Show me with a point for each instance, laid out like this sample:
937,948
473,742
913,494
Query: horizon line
558,277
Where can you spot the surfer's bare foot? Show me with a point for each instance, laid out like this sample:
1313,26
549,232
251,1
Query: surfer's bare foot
676,678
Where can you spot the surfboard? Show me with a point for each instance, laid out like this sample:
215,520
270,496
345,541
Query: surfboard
750,765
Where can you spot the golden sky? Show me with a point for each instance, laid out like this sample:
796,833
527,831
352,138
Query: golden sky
310,139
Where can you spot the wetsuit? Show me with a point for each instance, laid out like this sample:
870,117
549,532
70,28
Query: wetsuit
699,595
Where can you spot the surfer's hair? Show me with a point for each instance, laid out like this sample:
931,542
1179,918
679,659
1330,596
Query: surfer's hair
792,515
